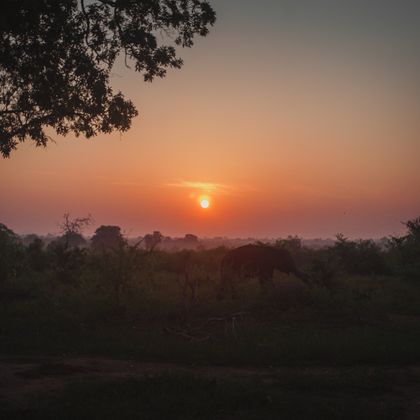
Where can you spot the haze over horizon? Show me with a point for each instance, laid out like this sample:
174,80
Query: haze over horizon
292,118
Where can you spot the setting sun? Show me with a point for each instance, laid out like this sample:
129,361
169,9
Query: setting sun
204,203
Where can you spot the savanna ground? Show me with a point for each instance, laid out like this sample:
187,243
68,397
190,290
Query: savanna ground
87,334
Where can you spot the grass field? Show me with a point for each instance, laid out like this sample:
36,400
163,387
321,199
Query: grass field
300,394
346,348
364,320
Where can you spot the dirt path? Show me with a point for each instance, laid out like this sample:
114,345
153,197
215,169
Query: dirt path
21,378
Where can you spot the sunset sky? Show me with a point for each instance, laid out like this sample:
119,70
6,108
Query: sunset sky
291,117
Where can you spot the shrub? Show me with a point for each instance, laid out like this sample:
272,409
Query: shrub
404,252
362,257
11,252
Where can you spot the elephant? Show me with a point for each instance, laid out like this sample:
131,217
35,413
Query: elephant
256,261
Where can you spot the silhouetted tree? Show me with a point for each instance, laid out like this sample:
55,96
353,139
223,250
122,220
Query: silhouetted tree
56,58
10,253
151,241
29,239
413,227
36,255
67,254
72,231
190,241
358,257
107,238
405,250
120,266
293,244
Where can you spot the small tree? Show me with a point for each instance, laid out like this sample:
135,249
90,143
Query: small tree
36,255
68,253
10,253
189,237
293,244
107,238
358,257
151,241
413,227
72,229
404,251
118,264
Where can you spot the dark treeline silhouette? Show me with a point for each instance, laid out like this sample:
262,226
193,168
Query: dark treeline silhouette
70,255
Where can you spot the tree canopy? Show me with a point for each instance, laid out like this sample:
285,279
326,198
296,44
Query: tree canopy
107,238
56,58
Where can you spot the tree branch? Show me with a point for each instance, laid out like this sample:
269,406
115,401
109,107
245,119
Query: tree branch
87,32
13,111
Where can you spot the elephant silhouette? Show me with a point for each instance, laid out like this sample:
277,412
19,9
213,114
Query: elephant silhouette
256,261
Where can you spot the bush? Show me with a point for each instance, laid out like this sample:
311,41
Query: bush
404,252
11,252
363,257
36,256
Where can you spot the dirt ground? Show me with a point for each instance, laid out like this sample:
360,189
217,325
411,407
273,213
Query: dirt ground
21,378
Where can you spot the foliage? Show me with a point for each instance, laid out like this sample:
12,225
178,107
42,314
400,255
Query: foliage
107,238
71,229
404,252
293,244
10,253
72,240
152,240
67,262
56,58
324,268
67,254
359,257
118,267
75,225
36,255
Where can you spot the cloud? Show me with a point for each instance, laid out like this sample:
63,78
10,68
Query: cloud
208,187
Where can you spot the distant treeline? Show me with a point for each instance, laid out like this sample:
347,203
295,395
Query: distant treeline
109,254
191,241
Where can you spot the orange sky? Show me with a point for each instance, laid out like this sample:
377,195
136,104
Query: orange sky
286,129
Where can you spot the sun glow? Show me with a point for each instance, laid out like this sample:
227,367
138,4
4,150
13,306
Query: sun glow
204,202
